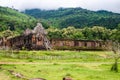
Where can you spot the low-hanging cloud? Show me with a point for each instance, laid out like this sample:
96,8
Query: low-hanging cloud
110,5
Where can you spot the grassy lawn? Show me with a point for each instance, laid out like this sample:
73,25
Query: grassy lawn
57,71
55,56
54,65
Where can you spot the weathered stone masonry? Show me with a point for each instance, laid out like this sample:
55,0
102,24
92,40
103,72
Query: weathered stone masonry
78,44
31,39
36,40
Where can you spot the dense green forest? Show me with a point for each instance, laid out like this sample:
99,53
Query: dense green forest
94,33
14,20
77,17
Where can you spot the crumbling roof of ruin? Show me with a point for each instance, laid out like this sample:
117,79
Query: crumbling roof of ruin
39,32
39,29
27,31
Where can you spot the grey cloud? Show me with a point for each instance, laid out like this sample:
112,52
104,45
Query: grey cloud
110,5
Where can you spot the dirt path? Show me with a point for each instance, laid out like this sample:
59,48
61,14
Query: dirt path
57,63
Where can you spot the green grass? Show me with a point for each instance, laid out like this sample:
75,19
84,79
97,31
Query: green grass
54,65
55,56
58,71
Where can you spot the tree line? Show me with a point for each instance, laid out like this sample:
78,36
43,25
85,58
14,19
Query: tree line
93,33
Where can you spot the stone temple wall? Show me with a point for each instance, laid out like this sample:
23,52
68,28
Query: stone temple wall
67,44
36,40
31,42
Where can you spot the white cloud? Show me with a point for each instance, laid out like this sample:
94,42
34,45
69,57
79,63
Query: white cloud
110,5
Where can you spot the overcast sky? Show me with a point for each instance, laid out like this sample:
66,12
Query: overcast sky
110,5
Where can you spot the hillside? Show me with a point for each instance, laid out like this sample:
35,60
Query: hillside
77,17
14,20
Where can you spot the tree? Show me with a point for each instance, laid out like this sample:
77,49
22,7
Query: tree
7,33
116,51
116,34
78,35
68,32
115,48
101,33
88,33
54,33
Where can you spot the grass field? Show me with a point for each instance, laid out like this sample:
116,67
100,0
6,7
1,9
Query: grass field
54,65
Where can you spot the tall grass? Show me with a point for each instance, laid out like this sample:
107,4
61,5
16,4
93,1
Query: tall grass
58,55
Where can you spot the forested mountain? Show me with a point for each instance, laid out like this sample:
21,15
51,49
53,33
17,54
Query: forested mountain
77,17
14,20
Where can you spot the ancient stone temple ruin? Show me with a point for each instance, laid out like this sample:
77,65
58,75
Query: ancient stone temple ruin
31,39
36,40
